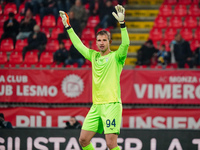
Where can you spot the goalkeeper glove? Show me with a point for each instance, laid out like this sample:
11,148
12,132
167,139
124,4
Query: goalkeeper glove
65,19
120,14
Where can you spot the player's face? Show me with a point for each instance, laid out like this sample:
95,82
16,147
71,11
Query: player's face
102,42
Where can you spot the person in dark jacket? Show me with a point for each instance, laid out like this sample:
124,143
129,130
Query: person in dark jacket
182,52
75,57
36,40
105,15
11,28
61,54
73,124
26,26
197,55
49,7
146,53
4,124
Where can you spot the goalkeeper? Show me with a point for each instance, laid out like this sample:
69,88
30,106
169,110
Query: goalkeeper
106,111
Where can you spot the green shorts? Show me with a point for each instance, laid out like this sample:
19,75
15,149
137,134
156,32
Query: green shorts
104,117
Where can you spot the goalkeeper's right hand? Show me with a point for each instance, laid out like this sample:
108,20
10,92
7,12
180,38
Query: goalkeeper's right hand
65,19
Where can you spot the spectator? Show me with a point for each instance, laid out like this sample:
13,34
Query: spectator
182,52
74,23
64,5
80,13
17,2
61,54
163,56
49,7
11,28
94,7
34,6
73,124
75,57
26,26
36,40
197,55
146,53
106,16
4,124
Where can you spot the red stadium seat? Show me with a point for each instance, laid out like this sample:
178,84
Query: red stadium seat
15,58
180,10
170,2
169,33
10,7
160,22
49,21
93,21
165,10
156,34
67,43
186,34
20,44
59,23
52,45
197,34
88,34
184,2
18,17
190,22
194,10
194,44
46,31
31,58
175,22
21,8
3,18
37,19
7,45
46,58
3,58
55,32
166,43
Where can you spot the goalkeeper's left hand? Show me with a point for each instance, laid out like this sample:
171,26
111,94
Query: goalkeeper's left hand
65,19
120,13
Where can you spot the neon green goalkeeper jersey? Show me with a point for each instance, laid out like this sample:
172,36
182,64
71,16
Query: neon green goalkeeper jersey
106,69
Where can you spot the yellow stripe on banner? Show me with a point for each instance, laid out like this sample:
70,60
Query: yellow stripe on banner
132,36
139,24
130,61
142,13
145,2
131,48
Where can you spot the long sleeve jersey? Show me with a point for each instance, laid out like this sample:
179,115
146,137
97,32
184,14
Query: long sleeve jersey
106,69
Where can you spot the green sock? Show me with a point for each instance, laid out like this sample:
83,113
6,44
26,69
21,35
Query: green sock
116,148
88,147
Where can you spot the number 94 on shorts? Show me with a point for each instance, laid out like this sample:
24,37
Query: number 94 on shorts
104,117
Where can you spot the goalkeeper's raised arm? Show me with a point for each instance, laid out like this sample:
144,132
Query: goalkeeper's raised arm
74,38
120,16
